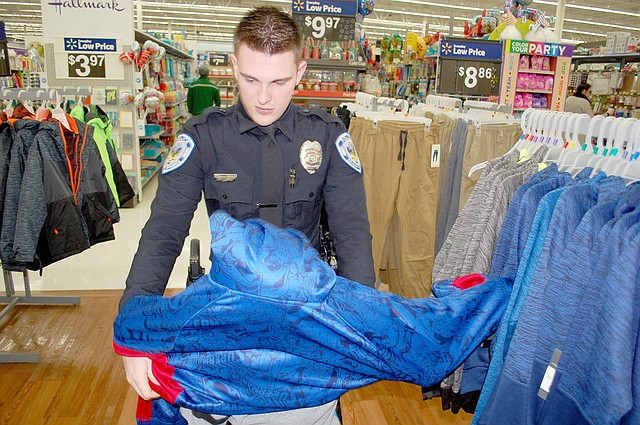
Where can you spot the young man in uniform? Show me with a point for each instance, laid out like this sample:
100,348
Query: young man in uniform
202,93
266,158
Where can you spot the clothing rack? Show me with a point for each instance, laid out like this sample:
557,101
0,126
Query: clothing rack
11,299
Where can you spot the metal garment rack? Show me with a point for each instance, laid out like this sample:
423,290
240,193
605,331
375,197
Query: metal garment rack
12,299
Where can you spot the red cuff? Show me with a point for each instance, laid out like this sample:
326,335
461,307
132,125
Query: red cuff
469,281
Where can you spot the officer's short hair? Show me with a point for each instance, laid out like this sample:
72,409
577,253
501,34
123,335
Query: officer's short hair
268,30
203,70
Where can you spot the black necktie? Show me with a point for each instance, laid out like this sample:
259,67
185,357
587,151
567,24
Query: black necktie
272,196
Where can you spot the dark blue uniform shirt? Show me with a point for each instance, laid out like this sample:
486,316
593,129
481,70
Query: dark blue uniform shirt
226,165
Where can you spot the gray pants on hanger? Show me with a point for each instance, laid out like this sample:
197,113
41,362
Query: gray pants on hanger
319,415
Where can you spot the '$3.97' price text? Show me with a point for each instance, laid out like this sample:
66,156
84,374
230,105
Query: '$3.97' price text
472,74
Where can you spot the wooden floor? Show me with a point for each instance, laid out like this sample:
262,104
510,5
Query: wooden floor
79,379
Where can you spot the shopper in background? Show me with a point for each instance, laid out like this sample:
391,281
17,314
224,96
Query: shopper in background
263,157
202,93
580,102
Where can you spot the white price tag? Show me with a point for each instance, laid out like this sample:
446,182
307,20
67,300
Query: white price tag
549,375
435,156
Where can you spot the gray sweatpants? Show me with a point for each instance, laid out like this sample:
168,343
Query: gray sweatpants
319,415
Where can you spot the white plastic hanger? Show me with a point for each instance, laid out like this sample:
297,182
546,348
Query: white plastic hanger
59,114
580,125
617,160
607,131
576,160
631,170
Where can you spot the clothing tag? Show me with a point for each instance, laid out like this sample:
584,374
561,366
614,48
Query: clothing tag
435,156
225,177
549,375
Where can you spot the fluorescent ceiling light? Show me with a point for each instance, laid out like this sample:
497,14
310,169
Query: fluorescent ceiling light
595,34
449,6
591,8
422,15
182,6
601,24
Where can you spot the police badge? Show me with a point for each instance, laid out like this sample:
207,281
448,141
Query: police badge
311,156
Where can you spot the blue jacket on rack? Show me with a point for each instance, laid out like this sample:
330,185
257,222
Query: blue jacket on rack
273,328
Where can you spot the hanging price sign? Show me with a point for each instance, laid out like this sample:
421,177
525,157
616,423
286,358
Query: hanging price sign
469,67
469,77
333,20
86,65
218,59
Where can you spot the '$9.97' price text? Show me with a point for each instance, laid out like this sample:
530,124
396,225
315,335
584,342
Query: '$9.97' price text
320,24
472,74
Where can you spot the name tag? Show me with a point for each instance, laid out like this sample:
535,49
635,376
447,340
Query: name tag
225,177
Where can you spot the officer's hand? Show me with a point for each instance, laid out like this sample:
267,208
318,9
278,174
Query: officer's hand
138,370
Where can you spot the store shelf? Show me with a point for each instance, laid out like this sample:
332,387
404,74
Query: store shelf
151,136
171,105
534,91
146,179
141,37
323,95
229,76
336,65
535,71
173,133
621,58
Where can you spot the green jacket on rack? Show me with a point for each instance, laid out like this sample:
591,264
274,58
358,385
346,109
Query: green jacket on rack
114,174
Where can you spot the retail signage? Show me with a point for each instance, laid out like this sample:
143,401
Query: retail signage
218,59
326,19
325,7
86,65
76,44
536,48
5,66
470,49
467,77
87,57
101,18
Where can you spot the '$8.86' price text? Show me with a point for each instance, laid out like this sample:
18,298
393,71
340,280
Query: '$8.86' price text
471,75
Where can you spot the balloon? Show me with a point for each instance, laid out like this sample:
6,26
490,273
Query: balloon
152,102
365,7
126,98
126,57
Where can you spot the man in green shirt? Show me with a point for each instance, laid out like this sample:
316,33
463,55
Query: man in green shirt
202,93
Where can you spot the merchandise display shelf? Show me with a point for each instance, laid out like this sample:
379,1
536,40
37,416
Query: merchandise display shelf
315,94
151,136
534,91
141,37
170,105
536,71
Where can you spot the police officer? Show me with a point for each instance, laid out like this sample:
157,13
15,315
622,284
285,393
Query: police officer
263,157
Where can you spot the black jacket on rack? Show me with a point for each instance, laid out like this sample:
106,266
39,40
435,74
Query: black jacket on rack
65,204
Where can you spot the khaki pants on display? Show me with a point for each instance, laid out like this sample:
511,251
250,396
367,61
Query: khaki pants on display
398,178
484,144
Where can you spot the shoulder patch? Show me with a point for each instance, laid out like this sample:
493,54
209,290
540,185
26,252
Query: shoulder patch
180,152
348,153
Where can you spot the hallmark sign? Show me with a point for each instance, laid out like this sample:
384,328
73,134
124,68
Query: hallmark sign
108,19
